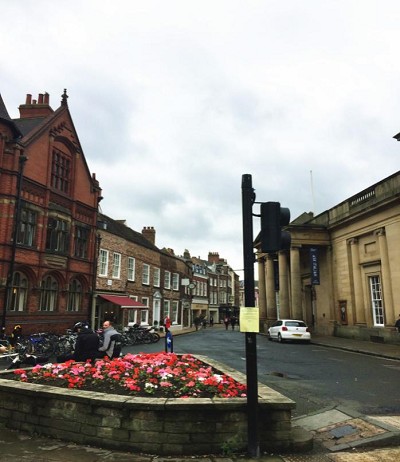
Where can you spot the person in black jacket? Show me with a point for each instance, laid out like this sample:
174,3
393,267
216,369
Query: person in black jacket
397,325
87,344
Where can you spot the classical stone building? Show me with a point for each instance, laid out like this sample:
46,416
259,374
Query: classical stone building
48,211
342,272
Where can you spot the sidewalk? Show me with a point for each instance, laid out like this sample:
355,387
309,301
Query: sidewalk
348,435
383,350
340,434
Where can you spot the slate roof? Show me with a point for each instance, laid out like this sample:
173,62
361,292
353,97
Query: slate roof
121,230
25,126
5,118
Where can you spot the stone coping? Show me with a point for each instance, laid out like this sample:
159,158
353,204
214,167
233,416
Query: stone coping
266,396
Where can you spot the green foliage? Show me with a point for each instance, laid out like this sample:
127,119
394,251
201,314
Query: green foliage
230,446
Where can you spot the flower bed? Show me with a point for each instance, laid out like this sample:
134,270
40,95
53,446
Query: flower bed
147,424
155,374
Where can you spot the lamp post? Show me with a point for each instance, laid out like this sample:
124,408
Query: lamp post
7,295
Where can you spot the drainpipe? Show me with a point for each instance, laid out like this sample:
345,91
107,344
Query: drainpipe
7,294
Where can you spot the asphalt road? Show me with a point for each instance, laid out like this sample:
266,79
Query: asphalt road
315,377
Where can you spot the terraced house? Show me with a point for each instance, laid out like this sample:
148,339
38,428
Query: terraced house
48,210
136,281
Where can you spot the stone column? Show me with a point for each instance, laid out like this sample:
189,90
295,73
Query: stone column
270,284
387,293
359,310
284,299
262,295
295,283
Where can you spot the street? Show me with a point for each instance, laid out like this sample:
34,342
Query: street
315,377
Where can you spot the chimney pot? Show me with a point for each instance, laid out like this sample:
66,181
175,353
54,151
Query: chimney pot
31,109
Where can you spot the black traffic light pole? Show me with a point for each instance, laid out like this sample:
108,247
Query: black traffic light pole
248,198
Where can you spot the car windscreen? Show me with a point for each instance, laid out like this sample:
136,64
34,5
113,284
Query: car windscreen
295,324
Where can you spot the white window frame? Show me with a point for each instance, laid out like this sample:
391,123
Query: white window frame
103,262
144,316
156,277
131,269
116,268
376,300
167,280
146,274
175,281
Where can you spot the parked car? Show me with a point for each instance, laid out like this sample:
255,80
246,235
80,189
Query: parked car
289,329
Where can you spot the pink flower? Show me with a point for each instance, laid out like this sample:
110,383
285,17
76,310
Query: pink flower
183,375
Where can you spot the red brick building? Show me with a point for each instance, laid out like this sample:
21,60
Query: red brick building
48,219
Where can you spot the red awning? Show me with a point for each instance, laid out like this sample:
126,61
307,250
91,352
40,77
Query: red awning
124,301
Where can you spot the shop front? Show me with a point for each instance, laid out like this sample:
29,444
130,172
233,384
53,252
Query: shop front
122,310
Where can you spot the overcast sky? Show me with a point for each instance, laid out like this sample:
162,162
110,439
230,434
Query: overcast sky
174,101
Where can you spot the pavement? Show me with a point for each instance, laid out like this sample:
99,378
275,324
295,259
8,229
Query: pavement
340,435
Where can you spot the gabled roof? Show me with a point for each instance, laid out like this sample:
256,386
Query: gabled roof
5,118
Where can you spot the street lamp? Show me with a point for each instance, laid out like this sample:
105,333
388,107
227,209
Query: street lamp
7,295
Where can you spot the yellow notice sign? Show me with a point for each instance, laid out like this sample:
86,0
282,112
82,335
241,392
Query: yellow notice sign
249,319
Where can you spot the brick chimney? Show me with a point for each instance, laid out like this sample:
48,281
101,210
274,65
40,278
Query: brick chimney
35,108
213,257
150,234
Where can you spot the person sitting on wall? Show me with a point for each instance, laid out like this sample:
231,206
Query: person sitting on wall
111,342
87,344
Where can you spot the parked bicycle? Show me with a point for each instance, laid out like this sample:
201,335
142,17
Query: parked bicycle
138,335
66,343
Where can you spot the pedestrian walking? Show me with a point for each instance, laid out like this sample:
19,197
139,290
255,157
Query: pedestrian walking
211,321
233,322
226,322
167,323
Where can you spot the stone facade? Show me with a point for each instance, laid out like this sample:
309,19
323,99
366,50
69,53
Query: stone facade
352,287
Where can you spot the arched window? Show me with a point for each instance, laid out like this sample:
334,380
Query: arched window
49,294
75,295
19,292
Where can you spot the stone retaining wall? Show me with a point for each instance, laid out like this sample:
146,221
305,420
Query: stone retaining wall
172,426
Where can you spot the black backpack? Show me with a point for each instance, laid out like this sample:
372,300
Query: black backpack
116,338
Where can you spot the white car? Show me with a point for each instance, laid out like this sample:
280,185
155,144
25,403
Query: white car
289,329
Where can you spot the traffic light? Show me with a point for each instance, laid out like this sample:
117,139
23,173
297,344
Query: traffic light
273,217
